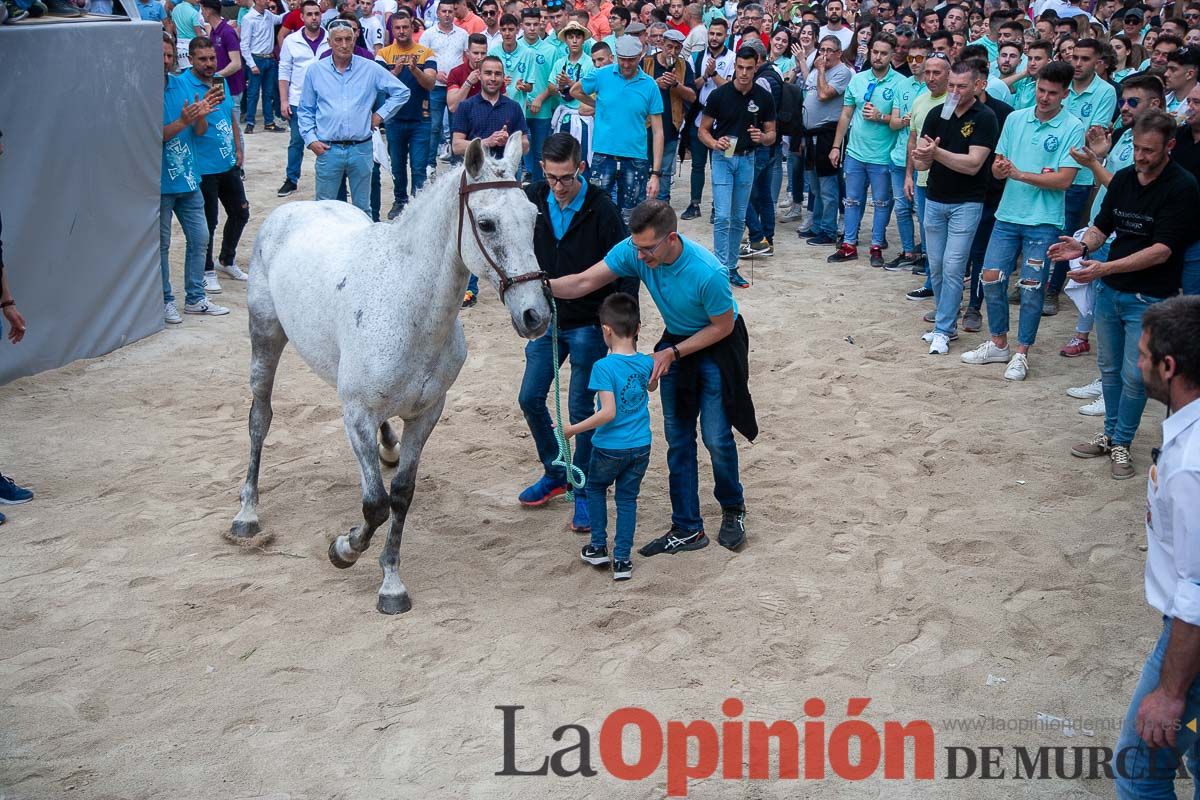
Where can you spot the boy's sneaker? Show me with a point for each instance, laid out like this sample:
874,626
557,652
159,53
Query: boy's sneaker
171,314
691,212
1094,408
542,492
737,280
596,556
876,257
1018,368
986,353
847,252
11,494
1076,347
676,540
820,240
1089,392
211,284
622,570
733,527
206,307
1122,466
580,521
1097,446
924,293
232,271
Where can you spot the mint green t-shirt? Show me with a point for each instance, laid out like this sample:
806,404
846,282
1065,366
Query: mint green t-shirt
186,17
906,94
575,72
868,141
509,60
1024,93
1095,105
1037,147
534,66
1119,157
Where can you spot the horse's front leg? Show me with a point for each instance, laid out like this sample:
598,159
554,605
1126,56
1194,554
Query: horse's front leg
361,427
393,596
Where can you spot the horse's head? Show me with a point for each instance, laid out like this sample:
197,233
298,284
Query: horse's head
496,235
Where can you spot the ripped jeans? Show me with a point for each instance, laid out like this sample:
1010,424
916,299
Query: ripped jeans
858,174
1010,241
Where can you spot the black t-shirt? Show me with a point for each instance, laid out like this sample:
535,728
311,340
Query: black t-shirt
733,113
975,128
670,133
1163,212
1187,151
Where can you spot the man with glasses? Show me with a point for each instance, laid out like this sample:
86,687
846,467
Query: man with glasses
823,90
577,224
702,361
618,19
1132,22
489,10
904,38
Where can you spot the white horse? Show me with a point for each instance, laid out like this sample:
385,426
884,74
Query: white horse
373,309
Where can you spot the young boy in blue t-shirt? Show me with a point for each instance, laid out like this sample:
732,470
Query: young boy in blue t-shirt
621,443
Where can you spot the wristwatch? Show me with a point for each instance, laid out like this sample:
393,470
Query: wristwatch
656,173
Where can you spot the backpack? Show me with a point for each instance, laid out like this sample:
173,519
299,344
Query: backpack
790,117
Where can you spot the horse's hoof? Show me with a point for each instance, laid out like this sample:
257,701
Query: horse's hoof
340,558
244,530
393,603
388,456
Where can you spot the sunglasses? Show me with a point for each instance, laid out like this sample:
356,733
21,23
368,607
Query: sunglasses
338,24
1191,16
1132,102
915,59
942,56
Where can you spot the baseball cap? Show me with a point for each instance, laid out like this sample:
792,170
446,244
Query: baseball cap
1134,12
628,47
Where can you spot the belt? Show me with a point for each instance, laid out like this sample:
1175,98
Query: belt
350,142
264,55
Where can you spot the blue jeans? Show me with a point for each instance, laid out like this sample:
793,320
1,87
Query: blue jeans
343,193
919,195
585,346
1142,773
795,181
627,175
353,162
1007,243
825,203
760,211
979,244
188,208
408,143
732,179
295,147
1075,205
437,119
625,468
949,229
715,430
904,211
1191,269
539,131
670,158
1119,325
858,174
265,81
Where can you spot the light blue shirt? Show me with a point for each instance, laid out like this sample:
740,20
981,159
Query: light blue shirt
214,151
871,141
1037,147
336,106
560,218
1095,105
179,173
998,90
622,109
1119,157
905,94
627,377
152,11
687,291
1173,519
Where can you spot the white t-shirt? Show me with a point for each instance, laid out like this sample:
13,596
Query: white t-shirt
697,39
845,35
372,33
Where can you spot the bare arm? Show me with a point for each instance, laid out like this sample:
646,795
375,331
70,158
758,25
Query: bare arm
717,329
840,136
606,414
570,287
458,94
684,92
426,78
656,134
458,143
705,133
967,164
234,66
1059,180
824,91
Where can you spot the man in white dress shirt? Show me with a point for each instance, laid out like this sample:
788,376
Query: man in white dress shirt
1160,727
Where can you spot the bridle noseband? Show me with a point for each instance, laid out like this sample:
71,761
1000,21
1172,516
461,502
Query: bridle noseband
465,212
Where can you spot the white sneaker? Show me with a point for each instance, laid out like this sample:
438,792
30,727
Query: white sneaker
927,337
1018,368
171,314
986,353
211,284
785,204
1094,408
939,344
233,271
1089,392
791,214
205,306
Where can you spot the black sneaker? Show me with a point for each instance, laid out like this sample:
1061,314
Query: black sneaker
898,263
691,212
287,188
674,541
1050,304
923,293
807,233
712,216
596,556
733,527
249,128
395,210
622,570
820,240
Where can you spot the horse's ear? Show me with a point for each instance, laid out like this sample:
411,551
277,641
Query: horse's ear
514,152
474,159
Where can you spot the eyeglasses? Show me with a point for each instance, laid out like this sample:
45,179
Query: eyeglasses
941,56
649,251
827,50
336,24
912,59
1132,102
559,180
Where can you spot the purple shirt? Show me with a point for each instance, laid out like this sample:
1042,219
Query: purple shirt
225,41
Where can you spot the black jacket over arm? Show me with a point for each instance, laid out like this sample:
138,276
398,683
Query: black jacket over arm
593,231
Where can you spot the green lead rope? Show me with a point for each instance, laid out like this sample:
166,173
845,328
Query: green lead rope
575,476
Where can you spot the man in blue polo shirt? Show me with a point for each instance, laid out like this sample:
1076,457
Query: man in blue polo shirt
626,98
1034,157
702,360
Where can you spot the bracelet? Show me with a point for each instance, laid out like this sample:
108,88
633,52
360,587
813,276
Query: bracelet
835,147
14,302
675,350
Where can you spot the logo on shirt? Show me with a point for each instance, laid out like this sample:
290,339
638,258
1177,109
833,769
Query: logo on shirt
540,59
967,129
888,94
633,394
1085,110
1051,144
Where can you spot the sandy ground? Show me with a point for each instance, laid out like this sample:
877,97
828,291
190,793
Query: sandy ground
916,525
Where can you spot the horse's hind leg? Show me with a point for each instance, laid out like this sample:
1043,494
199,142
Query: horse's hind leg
393,596
267,340
360,430
388,444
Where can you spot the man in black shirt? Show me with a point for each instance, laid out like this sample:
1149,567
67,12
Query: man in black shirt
955,151
1151,207
1187,155
738,118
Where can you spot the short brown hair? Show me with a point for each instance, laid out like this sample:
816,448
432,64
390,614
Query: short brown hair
1155,121
619,311
654,215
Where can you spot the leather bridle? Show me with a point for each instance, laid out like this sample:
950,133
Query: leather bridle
465,212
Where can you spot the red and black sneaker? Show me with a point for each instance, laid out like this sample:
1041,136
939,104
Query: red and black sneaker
876,257
847,252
